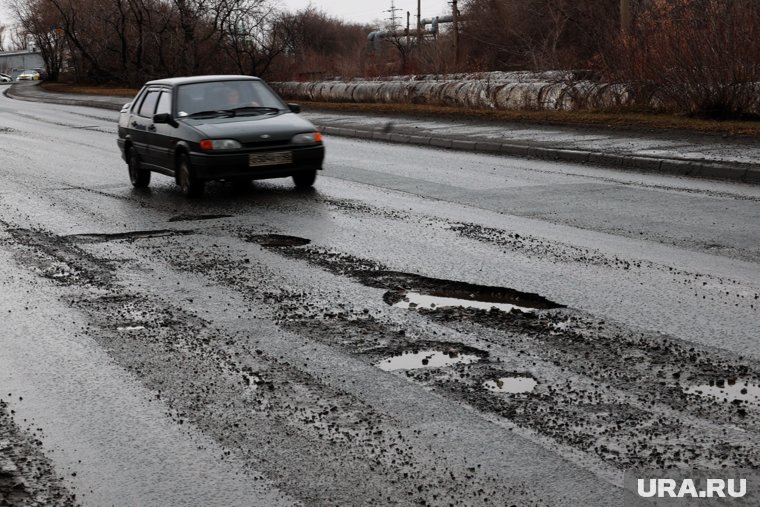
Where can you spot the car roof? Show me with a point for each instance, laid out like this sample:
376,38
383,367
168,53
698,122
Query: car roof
174,81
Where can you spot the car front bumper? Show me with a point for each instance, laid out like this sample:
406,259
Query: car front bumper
207,166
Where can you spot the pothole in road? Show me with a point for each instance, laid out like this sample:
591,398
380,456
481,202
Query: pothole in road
278,240
132,235
511,385
194,218
426,359
729,390
429,293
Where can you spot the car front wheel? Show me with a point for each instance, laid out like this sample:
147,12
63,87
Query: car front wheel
305,179
190,185
139,177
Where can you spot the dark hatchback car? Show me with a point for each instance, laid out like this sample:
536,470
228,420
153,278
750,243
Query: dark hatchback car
203,128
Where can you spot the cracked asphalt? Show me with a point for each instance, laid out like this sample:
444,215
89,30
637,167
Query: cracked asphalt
268,346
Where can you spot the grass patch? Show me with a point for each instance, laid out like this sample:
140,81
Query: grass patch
108,91
624,120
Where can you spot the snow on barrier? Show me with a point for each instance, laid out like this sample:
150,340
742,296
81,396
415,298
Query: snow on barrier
553,90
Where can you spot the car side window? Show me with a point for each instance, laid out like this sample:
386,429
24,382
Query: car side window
164,103
148,105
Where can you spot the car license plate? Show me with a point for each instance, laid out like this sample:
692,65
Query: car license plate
273,158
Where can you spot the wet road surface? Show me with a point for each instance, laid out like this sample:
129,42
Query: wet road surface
267,346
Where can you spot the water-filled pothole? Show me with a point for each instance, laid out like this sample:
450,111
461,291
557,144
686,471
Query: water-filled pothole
430,302
426,359
511,385
278,240
730,390
416,291
129,329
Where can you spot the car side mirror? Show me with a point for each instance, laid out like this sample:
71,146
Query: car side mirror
295,108
164,118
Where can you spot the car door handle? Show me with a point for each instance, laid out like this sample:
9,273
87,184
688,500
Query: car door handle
152,128
134,123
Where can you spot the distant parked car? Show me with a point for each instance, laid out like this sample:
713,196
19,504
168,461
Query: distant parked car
197,129
5,78
28,75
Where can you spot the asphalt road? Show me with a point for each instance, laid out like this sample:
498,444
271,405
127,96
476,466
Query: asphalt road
242,349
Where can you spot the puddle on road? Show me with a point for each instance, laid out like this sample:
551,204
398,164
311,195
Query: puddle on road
415,291
128,329
511,385
192,218
729,390
278,240
426,359
418,300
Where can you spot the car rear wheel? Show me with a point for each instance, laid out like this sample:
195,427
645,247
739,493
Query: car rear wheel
305,179
139,177
190,185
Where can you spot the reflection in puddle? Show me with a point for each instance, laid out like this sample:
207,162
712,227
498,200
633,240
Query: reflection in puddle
417,300
729,390
130,328
425,359
511,385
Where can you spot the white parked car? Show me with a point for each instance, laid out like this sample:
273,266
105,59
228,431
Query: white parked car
5,78
32,75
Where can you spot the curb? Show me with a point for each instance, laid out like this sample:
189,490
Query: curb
54,99
743,173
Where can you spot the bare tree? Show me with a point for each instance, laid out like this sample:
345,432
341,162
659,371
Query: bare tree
38,20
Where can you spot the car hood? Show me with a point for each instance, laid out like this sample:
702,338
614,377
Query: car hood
249,129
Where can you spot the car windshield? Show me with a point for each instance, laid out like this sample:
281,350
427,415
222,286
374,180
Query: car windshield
237,98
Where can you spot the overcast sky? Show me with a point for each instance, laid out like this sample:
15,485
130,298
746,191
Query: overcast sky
366,12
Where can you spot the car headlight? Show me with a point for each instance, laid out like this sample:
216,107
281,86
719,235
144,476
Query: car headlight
219,144
310,138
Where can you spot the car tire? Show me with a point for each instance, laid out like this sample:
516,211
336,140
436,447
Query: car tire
305,179
188,183
139,177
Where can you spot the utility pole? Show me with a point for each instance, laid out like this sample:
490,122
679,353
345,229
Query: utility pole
407,28
626,18
455,16
420,35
